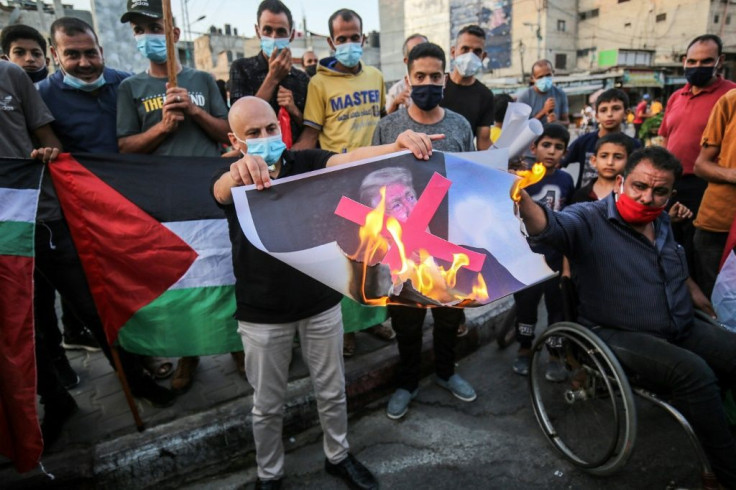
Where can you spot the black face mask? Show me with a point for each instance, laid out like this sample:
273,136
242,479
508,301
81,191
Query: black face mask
427,97
311,70
699,75
37,76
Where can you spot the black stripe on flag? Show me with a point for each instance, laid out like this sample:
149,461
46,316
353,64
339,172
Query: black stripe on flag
18,173
167,188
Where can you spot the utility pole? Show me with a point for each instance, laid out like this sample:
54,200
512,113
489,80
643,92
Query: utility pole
522,48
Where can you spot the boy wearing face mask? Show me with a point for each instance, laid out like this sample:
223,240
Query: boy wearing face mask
426,80
155,118
270,74
548,103
464,93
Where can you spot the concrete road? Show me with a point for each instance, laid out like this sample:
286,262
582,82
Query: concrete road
493,442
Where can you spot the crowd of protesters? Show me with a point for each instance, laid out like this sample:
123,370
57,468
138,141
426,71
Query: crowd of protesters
607,227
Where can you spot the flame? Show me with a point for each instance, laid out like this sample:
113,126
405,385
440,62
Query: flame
528,177
426,276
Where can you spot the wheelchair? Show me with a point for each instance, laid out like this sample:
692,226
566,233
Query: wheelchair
590,419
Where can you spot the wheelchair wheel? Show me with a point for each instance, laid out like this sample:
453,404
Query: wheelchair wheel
590,418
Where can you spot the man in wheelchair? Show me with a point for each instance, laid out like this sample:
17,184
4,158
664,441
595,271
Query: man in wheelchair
635,293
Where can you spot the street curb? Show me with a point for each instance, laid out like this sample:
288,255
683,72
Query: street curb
220,439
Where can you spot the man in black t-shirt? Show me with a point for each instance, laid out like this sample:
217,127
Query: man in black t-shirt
464,93
274,300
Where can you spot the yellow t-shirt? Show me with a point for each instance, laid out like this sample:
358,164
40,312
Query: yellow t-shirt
656,108
718,206
495,133
344,107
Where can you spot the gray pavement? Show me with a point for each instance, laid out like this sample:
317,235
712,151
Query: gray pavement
493,442
207,431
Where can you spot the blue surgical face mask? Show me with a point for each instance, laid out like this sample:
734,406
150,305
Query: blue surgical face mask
152,46
80,84
544,84
468,64
268,44
269,148
348,54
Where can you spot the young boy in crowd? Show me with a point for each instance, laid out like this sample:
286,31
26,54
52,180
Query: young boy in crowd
554,190
610,111
608,160
26,47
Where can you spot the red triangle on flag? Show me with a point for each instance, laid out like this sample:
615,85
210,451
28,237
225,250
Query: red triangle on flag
129,258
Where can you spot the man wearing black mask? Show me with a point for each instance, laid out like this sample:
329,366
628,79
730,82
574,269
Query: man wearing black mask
426,78
684,121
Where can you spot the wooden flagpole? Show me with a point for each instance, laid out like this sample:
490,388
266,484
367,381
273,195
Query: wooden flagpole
126,388
171,58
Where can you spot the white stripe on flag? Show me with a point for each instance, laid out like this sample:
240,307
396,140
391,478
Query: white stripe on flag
210,239
18,204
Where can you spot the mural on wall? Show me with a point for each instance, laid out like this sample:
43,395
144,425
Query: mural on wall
492,15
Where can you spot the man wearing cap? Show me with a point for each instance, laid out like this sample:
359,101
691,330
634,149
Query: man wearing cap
156,118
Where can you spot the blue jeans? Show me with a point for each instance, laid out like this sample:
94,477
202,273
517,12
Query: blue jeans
693,369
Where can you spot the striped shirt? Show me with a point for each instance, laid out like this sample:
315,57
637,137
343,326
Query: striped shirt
623,280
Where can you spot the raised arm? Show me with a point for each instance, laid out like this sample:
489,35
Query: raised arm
532,214
419,144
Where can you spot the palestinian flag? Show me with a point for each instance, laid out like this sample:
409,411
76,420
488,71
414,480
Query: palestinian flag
20,434
155,249
724,291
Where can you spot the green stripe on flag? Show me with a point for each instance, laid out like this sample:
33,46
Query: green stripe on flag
16,238
185,322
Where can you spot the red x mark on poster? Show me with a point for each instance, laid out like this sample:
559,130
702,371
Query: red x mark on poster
414,230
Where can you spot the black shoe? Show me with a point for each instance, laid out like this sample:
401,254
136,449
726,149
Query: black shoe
67,375
146,388
274,484
81,339
353,473
57,410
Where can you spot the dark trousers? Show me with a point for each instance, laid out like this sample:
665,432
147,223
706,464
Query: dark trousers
407,323
690,370
527,302
690,189
709,248
58,263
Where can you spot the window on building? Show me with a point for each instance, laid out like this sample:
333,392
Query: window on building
716,18
622,1
560,61
628,24
561,25
661,17
588,14
229,56
728,20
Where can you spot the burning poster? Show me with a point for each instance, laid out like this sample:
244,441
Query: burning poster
397,230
